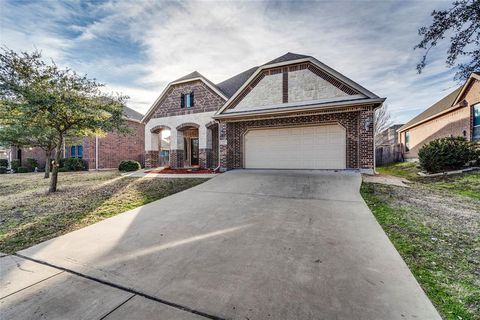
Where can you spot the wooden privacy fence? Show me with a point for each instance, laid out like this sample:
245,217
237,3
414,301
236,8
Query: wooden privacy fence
388,153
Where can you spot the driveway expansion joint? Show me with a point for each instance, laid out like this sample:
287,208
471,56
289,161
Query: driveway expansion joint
113,285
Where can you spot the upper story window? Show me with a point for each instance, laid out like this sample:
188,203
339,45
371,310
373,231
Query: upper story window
407,140
476,122
186,100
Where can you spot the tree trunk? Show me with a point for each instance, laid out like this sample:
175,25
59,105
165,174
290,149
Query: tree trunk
48,153
56,165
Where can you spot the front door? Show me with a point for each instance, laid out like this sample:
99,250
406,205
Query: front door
194,152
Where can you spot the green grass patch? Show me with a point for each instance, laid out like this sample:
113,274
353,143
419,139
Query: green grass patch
437,256
465,184
407,170
29,215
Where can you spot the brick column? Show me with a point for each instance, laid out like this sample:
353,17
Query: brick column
176,158
366,141
222,145
151,159
202,157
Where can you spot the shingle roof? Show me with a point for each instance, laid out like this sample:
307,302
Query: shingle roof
442,105
289,56
193,75
132,114
231,85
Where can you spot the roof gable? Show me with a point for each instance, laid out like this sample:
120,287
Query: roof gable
194,76
345,88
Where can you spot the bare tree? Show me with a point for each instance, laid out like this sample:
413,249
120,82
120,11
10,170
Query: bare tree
382,122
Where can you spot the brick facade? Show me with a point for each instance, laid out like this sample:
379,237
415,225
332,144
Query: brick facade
176,158
112,148
358,125
458,122
205,99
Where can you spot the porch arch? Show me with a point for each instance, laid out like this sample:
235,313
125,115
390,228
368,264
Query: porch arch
159,127
186,125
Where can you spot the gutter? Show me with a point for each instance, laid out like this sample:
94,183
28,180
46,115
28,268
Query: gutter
317,107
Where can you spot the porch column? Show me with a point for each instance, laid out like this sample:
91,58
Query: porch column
152,141
176,149
222,145
202,146
366,141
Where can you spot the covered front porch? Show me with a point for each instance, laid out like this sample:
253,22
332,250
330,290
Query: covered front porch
187,145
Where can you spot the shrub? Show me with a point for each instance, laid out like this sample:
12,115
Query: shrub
129,165
73,164
31,164
3,163
23,170
445,154
14,164
3,169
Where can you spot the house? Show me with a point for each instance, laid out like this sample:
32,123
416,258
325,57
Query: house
99,152
387,146
389,136
457,114
293,112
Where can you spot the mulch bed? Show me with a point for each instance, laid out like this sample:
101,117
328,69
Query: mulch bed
181,171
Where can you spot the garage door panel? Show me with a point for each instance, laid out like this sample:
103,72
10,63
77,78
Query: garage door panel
312,147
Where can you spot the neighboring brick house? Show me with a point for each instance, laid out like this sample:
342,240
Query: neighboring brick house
108,150
457,114
293,112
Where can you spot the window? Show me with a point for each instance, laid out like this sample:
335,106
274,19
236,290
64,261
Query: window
476,122
407,140
186,100
76,152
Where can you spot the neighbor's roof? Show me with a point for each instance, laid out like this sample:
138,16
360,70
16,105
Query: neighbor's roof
442,105
132,114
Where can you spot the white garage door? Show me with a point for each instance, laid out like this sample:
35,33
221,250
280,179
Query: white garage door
315,147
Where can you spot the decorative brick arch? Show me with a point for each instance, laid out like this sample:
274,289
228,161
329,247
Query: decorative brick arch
186,125
159,127
211,123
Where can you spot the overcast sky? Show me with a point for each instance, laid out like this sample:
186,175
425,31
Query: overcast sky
137,47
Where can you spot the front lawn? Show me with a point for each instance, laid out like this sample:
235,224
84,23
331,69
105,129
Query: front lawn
435,226
29,215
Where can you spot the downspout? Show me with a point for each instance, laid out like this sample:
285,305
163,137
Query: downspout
64,149
96,152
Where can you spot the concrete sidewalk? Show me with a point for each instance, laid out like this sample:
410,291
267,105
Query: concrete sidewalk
244,245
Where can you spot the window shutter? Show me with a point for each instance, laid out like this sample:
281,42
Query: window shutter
192,101
182,101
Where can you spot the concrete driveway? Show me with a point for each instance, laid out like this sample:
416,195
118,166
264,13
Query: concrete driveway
244,245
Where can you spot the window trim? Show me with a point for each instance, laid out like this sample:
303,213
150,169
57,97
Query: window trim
477,107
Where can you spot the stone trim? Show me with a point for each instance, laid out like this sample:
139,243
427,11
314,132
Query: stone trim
187,124
159,127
